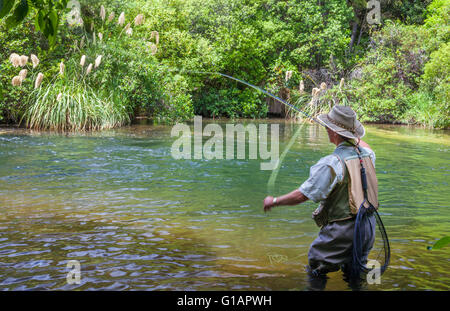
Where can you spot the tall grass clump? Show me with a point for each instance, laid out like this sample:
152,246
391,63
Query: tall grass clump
73,106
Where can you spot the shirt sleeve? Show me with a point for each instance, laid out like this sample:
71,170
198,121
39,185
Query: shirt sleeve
323,177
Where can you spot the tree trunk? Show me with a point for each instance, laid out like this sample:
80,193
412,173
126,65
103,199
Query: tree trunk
354,33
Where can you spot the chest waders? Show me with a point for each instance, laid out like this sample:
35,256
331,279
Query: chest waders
366,209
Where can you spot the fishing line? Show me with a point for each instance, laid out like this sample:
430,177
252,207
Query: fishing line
273,176
256,88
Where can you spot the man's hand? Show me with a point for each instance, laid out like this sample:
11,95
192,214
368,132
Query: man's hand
268,203
293,198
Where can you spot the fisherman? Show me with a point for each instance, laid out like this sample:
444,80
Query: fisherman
335,182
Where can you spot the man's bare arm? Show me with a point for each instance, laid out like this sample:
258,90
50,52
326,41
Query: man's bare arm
293,198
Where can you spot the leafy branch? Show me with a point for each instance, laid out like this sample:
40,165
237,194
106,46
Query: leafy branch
47,15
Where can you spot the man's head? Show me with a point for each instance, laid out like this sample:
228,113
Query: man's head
334,137
341,124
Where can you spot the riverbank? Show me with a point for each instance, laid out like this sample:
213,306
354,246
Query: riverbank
150,121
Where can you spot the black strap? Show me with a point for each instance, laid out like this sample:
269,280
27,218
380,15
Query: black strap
363,172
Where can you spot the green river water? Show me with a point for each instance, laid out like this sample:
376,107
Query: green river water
136,219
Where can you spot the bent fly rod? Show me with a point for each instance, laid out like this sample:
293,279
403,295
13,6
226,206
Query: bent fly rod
259,89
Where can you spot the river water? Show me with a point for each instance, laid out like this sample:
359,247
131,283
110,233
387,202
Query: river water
137,219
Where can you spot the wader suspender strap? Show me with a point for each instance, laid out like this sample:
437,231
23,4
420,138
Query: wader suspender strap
363,173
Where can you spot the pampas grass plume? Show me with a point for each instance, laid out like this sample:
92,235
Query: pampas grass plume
98,61
102,13
14,59
61,68
39,79
153,48
288,75
17,81
139,19
83,60
34,60
89,69
23,74
156,35
315,92
23,60
121,18
111,16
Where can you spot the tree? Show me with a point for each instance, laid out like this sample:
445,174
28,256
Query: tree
46,19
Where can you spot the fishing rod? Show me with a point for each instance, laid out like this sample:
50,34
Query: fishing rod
259,89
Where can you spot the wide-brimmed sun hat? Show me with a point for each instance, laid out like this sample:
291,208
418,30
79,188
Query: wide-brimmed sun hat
342,120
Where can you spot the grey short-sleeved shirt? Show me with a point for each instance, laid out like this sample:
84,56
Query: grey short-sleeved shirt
324,175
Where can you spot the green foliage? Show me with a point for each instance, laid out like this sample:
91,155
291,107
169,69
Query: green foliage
409,12
437,21
232,103
48,14
389,73
436,82
402,78
25,42
440,243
